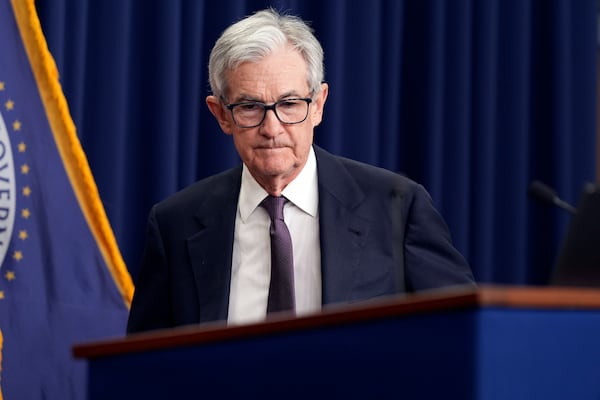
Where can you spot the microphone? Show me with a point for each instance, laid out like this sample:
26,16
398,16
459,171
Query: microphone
545,193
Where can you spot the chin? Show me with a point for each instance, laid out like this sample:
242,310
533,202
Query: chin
276,168
277,171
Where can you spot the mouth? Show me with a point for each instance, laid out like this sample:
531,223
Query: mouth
269,147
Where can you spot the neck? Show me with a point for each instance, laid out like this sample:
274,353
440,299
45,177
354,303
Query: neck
273,185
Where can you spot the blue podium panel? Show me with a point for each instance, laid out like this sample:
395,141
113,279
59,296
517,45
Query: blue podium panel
377,359
538,354
486,345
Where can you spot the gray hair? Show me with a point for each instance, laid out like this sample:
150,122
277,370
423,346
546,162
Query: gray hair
256,36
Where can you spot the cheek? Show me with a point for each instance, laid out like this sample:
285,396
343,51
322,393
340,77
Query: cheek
241,143
304,140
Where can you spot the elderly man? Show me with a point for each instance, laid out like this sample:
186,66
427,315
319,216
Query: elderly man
294,227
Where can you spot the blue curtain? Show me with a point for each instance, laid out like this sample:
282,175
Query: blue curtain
472,98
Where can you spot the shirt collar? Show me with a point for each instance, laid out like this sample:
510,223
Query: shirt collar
302,191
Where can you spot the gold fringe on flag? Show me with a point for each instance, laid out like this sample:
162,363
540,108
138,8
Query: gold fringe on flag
65,136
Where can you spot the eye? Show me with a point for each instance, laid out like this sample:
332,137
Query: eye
288,103
249,106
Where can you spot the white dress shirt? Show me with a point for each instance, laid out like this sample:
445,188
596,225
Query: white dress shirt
251,260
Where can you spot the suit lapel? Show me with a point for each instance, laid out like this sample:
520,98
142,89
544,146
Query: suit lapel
210,249
343,233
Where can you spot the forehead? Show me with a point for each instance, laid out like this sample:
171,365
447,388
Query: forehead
282,73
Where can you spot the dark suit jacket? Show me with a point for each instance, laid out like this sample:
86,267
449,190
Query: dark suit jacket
380,235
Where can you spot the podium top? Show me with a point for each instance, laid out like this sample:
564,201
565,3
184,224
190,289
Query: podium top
446,300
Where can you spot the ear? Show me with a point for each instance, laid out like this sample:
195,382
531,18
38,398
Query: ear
220,113
319,105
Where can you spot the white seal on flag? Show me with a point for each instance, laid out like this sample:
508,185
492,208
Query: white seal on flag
7,191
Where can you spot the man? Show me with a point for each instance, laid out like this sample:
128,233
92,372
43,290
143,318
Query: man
357,232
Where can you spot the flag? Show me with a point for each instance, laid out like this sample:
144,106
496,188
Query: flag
62,278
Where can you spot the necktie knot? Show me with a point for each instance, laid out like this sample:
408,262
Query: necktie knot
274,206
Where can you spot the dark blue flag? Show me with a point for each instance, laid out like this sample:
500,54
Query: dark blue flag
62,277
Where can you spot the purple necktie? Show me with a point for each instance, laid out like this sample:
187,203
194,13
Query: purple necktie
281,288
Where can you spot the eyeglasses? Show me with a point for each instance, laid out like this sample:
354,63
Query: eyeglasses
250,114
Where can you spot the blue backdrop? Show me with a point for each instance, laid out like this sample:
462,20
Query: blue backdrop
474,99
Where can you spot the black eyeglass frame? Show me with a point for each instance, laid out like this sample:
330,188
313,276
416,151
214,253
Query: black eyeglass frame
267,107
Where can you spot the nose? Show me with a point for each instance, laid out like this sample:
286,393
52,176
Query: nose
271,126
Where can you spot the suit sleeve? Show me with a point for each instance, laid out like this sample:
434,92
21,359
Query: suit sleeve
431,260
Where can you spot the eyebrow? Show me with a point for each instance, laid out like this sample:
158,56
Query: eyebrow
245,97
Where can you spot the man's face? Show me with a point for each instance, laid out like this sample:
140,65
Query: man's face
274,152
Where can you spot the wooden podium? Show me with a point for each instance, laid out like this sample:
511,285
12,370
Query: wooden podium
493,343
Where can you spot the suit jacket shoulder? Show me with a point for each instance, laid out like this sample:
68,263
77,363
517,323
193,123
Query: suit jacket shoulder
380,233
186,263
